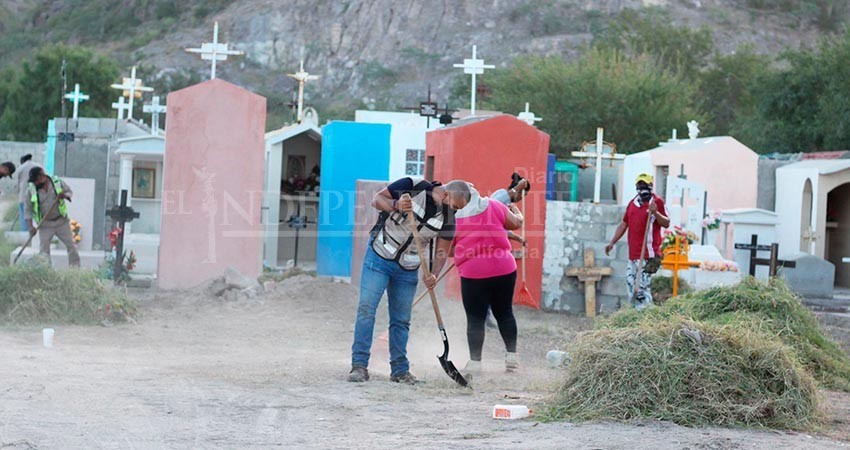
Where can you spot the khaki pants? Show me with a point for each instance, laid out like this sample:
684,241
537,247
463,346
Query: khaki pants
62,230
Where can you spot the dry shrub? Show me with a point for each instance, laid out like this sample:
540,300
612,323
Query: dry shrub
687,372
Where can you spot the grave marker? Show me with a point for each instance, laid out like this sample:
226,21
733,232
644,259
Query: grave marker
773,262
528,116
154,109
589,275
473,66
121,214
131,88
301,77
214,51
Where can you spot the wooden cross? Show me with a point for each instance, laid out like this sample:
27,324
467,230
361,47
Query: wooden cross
473,66
773,262
131,88
676,259
214,51
589,275
121,214
599,155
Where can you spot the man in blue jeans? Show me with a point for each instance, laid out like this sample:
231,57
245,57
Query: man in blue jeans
392,264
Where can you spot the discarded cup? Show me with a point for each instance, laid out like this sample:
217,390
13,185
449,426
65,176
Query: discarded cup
557,358
47,337
511,412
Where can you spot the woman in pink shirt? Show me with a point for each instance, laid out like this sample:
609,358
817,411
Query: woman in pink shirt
482,254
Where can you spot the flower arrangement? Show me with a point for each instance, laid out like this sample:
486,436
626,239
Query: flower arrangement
719,266
669,239
76,228
129,261
711,221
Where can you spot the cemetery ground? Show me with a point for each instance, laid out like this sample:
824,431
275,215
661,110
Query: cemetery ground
198,371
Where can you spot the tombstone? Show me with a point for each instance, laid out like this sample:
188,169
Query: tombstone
738,225
483,151
811,276
213,184
82,209
407,140
350,151
704,279
685,203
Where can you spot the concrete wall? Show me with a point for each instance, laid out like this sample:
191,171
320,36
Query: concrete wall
12,151
407,132
610,176
570,228
767,182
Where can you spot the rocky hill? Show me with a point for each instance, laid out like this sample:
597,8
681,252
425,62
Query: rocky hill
376,53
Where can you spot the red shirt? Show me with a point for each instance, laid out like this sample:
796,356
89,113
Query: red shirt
636,217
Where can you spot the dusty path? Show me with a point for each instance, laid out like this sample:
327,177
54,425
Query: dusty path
269,373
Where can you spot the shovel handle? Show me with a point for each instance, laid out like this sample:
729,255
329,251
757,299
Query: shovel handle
440,278
643,248
32,235
412,219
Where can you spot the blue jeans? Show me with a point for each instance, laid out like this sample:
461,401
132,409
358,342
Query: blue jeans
380,275
24,225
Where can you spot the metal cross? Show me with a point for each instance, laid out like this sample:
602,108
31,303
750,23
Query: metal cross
473,67
121,107
599,155
528,116
77,97
154,109
301,77
131,88
121,213
214,51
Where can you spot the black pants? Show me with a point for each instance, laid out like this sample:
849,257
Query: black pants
496,293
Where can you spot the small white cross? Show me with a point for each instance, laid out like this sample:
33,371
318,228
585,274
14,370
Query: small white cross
599,155
131,88
473,67
77,97
214,51
528,116
121,107
301,77
154,109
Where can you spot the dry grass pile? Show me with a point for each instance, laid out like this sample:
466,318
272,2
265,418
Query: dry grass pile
687,372
771,309
35,293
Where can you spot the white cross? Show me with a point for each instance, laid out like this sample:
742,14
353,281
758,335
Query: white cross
301,77
473,67
528,116
214,51
599,155
121,107
131,88
77,97
154,109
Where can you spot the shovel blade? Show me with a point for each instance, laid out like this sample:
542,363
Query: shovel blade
448,366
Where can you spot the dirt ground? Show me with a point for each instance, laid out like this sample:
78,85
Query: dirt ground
196,372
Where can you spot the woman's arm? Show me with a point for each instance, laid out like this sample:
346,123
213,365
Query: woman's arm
513,218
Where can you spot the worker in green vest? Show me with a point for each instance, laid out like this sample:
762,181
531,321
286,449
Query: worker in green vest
47,210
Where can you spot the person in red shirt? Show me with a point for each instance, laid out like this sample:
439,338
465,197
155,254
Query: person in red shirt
646,209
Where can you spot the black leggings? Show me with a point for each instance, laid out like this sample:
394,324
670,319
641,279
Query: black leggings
497,294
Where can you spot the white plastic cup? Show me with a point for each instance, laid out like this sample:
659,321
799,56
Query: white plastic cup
47,337
557,358
511,412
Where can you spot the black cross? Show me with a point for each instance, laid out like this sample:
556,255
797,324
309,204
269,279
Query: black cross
121,213
773,262
427,108
298,222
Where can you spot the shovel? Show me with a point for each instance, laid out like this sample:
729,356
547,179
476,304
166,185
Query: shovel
448,366
32,235
385,336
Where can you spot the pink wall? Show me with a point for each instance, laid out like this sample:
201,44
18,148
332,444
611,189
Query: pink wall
727,169
212,185
485,152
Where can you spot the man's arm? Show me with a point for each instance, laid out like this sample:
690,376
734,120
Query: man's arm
660,214
621,230
67,193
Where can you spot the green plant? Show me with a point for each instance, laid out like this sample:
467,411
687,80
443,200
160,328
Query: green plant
662,288
35,293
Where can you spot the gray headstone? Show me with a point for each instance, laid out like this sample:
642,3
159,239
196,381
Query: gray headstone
812,277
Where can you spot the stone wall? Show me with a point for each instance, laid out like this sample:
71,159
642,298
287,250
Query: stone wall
572,227
12,151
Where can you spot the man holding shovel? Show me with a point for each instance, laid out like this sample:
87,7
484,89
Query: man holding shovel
644,218
47,209
392,263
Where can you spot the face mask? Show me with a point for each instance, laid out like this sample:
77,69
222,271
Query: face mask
645,194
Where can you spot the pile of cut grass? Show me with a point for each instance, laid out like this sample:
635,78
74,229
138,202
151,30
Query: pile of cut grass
35,293
769,308
687,372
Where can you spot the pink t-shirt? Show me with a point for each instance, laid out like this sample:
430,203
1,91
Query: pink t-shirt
482,248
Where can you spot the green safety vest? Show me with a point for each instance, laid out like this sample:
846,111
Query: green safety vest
36,212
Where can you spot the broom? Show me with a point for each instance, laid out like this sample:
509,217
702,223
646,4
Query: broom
525,297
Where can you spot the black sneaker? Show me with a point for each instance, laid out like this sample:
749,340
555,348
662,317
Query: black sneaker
406,378
358,374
